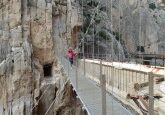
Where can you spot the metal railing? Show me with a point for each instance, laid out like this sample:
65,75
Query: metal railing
124,83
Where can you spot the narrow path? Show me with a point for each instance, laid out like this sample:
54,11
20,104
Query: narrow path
90,93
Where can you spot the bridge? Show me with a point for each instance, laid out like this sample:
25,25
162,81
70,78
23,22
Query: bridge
106,87
91,93
113,88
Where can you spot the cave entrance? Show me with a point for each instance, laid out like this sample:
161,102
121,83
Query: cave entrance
47,70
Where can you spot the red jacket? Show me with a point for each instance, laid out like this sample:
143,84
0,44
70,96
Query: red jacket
70,53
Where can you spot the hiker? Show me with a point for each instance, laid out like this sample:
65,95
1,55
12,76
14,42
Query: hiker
71,55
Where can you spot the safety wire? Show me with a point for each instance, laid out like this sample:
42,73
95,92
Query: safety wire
10,112
60,33
68,4
117,55
93,48
112,72
12,91
95,11
30,63
124,85
69,9
45,41
140,29
88,49
41,30
140,33
92,24
50,107
119,60
45,50
83,44
93,36
104,57
93,51
76,58
22,57
5,78
83,39
119,31
112,42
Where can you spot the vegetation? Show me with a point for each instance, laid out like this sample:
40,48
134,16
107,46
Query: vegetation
103,8
97,19
117,35
163,1
103,35
152,6
92,3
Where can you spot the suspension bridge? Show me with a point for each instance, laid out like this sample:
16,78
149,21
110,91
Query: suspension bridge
90,93
106,87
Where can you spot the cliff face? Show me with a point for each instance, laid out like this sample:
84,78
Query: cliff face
31,79
135,25
143,24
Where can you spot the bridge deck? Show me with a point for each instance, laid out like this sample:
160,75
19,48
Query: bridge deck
90,94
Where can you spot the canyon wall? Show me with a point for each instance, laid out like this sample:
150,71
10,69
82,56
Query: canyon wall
31,78
124,27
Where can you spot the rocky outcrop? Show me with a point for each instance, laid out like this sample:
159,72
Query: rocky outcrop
67,101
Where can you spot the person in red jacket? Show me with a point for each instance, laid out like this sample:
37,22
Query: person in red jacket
71,55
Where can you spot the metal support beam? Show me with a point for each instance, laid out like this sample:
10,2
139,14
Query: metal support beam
103,92
101,67
83,48
77,73
151,92
103,88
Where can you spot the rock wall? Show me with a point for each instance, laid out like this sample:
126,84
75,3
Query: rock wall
142,24
131,26
27,46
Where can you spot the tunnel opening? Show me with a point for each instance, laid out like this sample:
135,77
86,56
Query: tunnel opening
47,68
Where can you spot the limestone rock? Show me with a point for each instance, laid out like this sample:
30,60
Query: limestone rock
26,44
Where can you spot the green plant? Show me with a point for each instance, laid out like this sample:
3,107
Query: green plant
152,6
117,36
103,34
97,20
